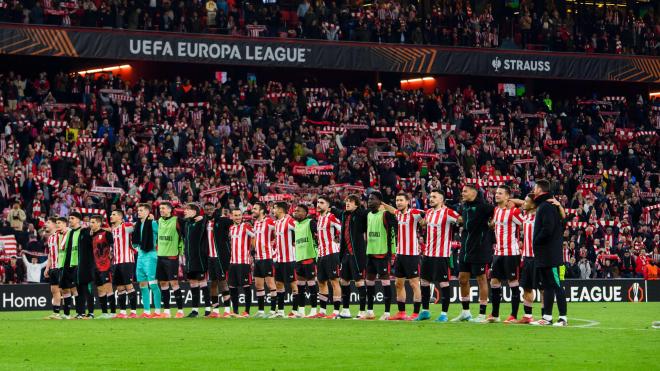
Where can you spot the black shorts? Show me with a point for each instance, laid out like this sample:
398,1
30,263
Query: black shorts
102,277
406,266
54,277
196,276
239,275
380,267
328,267
435,269
68,277
124,274
285,272
353,268
527,274
263,268
547,278
506,268
306,270
475,269
216,272
224,262
167,269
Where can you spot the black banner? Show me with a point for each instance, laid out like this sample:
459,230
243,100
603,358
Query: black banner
38,297
214,49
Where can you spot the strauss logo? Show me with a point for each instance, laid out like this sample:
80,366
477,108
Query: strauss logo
496,63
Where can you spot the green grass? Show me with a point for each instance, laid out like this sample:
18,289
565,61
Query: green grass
620,337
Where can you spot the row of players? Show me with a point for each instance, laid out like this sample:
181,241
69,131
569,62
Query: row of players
221,254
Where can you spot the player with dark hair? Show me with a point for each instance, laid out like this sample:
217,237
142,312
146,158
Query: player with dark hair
102,243
381,245
217,231
264,240
52,272
548,253
527,273
353,252
407,264
241,234
436,262
144,239
78,266
476,250
328,232
285,259
123,259
170,249
67,266
306,253
196,252
506,262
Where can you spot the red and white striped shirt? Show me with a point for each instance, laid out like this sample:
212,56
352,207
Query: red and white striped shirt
528,233
567,255
285,247
54,241
123,251
264,232
240,235
213,253
507,222
407,240
328,226
439,231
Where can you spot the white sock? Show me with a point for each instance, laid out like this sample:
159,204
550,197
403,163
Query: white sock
194,310
133,311
335,312
527,316
386,313
563,317
207,309
443,313
157,311
227,310
370,312
123,311
466,312
167,311
322,310
180,311
312,312
216,310
547,318
261,312
301,311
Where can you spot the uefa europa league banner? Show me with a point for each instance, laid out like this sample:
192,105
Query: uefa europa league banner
319,54
38,297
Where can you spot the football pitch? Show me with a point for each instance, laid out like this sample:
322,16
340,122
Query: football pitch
599,336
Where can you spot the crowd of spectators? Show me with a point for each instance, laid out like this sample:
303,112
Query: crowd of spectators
100,143
552,26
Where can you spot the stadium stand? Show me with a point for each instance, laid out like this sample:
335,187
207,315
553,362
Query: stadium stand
96,143
553,25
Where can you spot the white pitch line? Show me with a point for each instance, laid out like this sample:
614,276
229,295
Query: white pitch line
590,323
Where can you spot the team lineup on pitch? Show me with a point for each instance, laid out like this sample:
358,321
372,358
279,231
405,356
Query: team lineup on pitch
315,260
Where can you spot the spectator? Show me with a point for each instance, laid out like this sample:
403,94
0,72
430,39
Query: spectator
211,11
627,265
16,216
640,263
651,271
33,268
14,271
586,268
572,269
